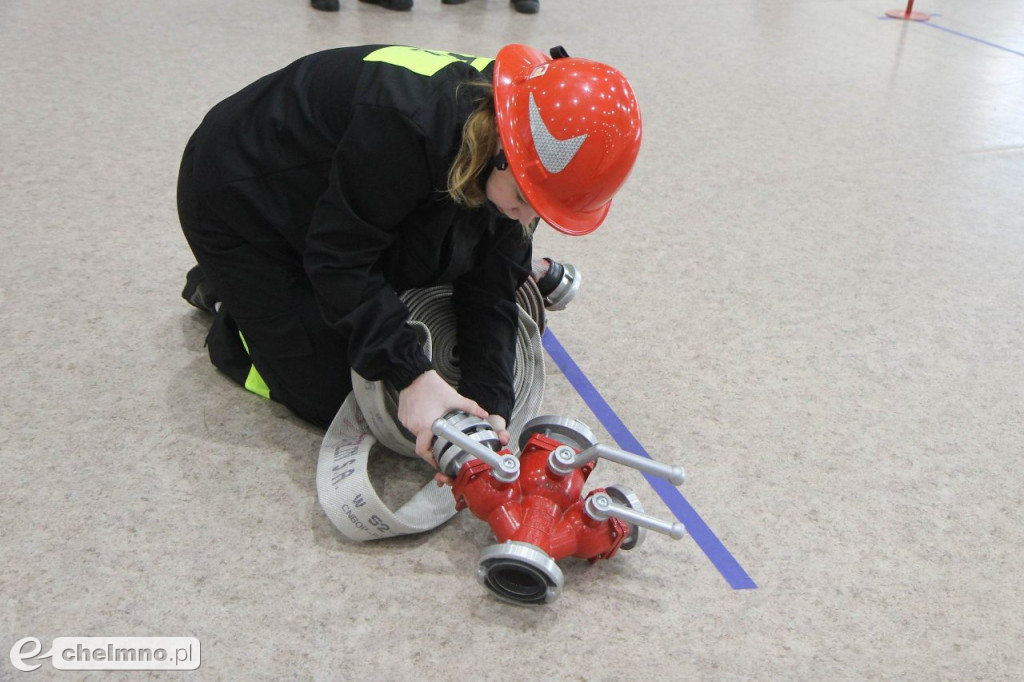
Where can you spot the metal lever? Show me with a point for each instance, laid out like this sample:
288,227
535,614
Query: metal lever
600,506
564,459
505,468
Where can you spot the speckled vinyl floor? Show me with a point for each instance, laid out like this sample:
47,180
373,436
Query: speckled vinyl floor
810,294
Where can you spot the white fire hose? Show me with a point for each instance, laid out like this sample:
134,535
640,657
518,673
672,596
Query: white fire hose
368,417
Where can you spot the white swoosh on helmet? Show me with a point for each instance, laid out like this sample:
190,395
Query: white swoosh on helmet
554,154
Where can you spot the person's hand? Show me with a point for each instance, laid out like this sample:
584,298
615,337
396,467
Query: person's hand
540,267
427,398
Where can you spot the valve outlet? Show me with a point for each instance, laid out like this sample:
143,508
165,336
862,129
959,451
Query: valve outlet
519,573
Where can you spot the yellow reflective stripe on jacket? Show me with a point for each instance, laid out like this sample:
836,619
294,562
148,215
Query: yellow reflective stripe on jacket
254,382
423,62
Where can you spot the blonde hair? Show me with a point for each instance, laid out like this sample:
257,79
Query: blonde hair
468,174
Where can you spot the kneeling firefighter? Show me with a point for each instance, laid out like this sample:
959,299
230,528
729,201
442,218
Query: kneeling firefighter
314,196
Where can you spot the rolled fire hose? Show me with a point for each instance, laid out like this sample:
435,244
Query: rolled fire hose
368,418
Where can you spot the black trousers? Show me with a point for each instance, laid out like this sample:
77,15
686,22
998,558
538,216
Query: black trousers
268,335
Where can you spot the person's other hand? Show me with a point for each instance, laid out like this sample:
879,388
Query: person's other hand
427,398
497,422
540,267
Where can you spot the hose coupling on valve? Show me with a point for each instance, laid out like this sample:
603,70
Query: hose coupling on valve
461,437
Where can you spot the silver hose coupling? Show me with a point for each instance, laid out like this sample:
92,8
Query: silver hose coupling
559,285
461,437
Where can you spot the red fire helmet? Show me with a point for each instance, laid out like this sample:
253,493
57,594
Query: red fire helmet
571,131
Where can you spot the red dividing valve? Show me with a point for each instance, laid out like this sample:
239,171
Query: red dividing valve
535,504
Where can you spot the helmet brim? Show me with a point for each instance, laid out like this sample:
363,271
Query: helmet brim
511,66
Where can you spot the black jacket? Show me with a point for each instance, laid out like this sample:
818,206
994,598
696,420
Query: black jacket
338,163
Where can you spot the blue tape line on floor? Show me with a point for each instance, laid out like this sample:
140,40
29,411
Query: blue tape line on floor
695,526
930,24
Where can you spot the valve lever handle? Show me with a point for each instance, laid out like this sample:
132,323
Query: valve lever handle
673,474
600,506
505,468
